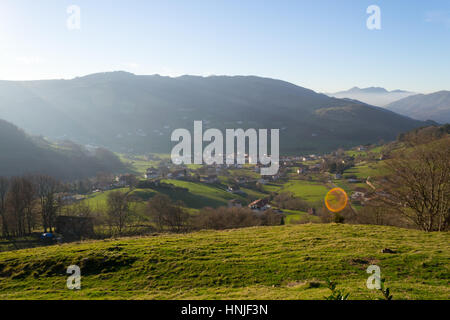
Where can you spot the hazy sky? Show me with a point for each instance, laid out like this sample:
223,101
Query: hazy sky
322,45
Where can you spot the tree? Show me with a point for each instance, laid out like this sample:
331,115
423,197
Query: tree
20,200
131,181
28,196
4,187
46,188
166,214
418,185
118,209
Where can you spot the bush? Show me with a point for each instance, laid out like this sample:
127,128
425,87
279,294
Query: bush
232,218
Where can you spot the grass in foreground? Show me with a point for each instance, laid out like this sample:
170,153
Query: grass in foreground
286,262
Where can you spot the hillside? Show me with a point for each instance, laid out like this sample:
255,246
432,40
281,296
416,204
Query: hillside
287,262
130,113
374,95
24,154
434,106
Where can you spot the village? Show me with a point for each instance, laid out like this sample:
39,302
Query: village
306,177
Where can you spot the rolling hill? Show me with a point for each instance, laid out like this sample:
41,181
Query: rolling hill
284,262
130,113
374,95
25,154
434,106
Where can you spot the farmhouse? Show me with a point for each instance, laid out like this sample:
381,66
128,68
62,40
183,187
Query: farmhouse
212,178
260,205
152,173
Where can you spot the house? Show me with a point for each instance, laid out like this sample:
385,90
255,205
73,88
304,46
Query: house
262,181
179,174
152,173
119,182
275,177
212,178
358,196
235,190
260,205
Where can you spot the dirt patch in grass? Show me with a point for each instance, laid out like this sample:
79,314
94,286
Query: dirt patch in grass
307,284
362,262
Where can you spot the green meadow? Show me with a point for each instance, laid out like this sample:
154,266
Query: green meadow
307,190
284,262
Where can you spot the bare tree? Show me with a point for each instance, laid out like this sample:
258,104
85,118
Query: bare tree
131,181
46,189
418,185
118,209
16,204
166,214
4,187
81,209
28,196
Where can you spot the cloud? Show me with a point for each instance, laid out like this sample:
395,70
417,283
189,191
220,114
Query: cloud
438,17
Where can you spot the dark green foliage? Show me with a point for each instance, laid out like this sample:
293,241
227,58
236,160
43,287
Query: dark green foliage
338,218
336,294
385,291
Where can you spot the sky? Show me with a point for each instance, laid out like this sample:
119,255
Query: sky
322,45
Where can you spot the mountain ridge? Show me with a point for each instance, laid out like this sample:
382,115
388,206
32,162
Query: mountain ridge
434,106
137,113
372,95
25,154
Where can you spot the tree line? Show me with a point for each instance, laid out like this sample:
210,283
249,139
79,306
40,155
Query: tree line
28,202
172,216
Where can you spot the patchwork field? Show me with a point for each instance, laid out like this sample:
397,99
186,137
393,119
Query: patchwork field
286,262
309,191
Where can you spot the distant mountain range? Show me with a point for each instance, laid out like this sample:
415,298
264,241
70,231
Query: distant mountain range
434,106
130,113
24,154
374,95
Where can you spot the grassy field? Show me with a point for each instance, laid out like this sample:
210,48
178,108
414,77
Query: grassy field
307,190
286,262
295,216
200,195
365,170
196,195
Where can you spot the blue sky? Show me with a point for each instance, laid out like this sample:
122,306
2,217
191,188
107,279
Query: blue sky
322,45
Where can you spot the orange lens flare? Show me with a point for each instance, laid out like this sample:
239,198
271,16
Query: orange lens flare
336,200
